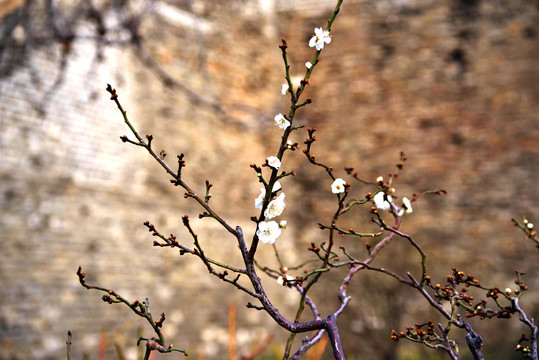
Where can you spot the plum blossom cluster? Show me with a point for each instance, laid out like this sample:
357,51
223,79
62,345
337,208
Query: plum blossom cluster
260,199
269,231
381,199
384,201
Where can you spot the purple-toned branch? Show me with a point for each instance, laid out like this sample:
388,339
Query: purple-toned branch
531,324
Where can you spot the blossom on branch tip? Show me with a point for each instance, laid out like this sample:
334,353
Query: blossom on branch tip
338,186
308,65
281,121
282,224
274,162
268,232
284,89
275,207
406,206
381,201
320,38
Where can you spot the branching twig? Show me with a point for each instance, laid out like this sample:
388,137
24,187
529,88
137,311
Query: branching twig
325,258
176,175
68,343
142,309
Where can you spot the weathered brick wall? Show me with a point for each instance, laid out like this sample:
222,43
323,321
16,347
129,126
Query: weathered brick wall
450,85
57,168
73,194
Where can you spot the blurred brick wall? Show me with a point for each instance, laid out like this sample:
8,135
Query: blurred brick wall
453,84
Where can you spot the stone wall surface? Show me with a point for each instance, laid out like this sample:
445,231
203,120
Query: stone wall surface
453,84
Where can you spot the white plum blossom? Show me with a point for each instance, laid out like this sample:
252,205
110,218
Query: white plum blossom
379,179
275,207
406,206
338,186
380,202
274,162
280,279
281,121
308,65
320,38
260,198
284,89
268,232
282,224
